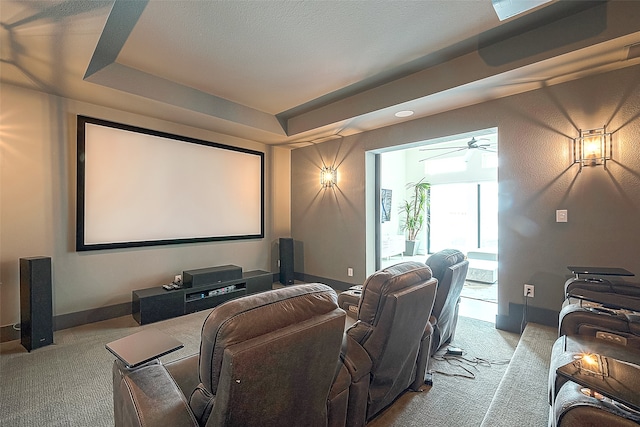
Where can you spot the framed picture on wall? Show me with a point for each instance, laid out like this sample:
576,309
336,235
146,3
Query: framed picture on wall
385,211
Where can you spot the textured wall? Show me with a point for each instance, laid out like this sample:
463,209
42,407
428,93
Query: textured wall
38,209
330,223
535,178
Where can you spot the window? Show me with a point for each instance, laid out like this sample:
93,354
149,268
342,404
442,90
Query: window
464,216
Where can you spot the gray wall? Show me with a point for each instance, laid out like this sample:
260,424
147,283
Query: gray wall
37,209
535,178
333,229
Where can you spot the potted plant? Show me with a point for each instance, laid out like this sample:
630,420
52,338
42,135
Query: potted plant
415,215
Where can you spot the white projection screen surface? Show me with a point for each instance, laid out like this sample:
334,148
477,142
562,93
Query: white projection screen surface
138,187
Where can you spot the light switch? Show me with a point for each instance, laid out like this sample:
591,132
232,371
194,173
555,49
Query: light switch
561,215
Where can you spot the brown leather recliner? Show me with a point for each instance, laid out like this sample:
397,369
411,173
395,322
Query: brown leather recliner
588,327
599,317
611,292
450,267
269,359
381,348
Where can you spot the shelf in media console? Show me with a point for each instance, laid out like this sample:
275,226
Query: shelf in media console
154,304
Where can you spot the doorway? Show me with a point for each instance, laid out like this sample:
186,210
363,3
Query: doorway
462,171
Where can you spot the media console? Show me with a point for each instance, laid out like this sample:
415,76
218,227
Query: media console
155,304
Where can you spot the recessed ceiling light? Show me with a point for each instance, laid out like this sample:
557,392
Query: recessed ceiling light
404,113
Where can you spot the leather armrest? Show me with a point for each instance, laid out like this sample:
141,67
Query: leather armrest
359,364
424,356
148,396
338,399
185,373
355,358
634,323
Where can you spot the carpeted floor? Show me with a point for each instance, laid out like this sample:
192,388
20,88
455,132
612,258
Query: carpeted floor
69,383
455,398
525,383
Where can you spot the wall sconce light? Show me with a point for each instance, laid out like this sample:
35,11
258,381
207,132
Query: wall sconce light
328,177
592,147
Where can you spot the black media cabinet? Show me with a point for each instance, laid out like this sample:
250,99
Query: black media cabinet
155,304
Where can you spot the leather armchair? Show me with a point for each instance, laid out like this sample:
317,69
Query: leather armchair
567,347
580,410
450,267
380,349
269,359
569,405
620,326
614,293
599,316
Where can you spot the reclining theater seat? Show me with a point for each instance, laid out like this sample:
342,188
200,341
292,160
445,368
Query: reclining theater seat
615,293
599,316
268,359
381,348
597,321
450,267
570,405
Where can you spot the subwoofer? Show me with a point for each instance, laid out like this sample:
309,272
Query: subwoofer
36,308
286,261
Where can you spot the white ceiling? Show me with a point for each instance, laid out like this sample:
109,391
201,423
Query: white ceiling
286,71
276,55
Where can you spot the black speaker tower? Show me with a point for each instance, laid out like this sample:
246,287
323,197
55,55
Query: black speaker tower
286,261
36,308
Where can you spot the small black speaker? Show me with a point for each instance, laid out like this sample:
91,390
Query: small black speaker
36,307
286,261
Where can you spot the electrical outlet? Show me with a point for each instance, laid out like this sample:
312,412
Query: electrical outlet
350,272
529,291
561,215
177,278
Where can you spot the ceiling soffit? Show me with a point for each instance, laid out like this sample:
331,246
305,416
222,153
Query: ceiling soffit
499,54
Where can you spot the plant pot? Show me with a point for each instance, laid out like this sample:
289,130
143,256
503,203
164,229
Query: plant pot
411,247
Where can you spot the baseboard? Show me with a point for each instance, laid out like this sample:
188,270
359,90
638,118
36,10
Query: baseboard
335,284
8,333
513,322
69,320
65,321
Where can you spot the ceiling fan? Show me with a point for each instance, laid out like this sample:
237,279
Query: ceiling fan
473,143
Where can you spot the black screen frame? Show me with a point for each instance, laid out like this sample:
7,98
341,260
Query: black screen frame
81,219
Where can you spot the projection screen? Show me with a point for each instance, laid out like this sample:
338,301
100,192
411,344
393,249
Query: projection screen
138,187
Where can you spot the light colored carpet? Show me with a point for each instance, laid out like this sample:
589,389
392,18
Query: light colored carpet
521,398
456,400
69,383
